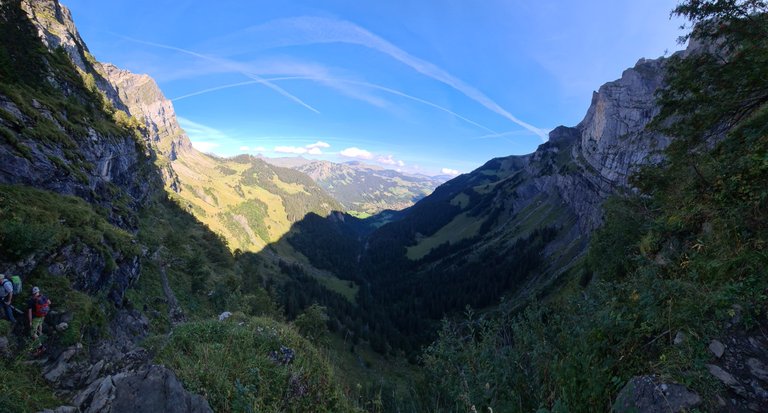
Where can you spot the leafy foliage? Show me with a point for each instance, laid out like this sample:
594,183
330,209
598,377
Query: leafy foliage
724,79
239,366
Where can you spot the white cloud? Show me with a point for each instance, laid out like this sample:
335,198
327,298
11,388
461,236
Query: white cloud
449,171
356,153
203,146
245,148
259,149
389,160
291,149
314,151
318,144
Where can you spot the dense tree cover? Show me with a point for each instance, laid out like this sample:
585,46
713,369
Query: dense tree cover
684,254
398,309
329,243
401,300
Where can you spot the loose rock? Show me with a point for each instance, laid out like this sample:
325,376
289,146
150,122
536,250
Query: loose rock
717,348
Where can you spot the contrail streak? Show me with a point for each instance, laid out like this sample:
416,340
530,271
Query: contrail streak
503,134
308,30
355,82
228,63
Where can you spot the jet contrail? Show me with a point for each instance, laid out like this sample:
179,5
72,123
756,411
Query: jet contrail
355,82
308,30
503,134
228,63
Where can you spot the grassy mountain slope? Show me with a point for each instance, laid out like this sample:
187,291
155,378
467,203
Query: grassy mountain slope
248,201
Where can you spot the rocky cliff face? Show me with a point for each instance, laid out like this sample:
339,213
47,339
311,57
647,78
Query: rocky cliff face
610,143
144,100
614,141
137,95
55,28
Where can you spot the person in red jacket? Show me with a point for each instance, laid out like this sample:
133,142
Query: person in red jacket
37,309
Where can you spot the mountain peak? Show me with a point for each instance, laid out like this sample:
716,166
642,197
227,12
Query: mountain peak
57,29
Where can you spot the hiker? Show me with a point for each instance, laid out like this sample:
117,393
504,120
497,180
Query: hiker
6,297
37,309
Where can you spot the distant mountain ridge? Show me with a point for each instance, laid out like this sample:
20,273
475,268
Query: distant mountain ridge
368,189
363,189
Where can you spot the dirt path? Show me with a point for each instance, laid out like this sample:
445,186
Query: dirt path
175,313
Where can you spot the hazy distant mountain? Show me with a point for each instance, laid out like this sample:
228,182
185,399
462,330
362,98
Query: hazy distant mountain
367,189
287,161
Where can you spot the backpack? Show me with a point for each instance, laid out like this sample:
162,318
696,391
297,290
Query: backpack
16,280
41,306
3,292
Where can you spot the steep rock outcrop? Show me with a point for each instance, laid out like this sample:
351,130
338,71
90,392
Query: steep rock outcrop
117,376
56,28
144,100
614,141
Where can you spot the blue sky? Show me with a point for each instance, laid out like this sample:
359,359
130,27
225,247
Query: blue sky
433,86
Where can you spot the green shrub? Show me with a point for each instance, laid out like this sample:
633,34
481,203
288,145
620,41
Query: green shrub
237,366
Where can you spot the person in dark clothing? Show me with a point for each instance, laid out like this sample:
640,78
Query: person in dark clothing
6,297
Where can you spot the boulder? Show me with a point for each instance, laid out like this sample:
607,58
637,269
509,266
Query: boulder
648,394
149,389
